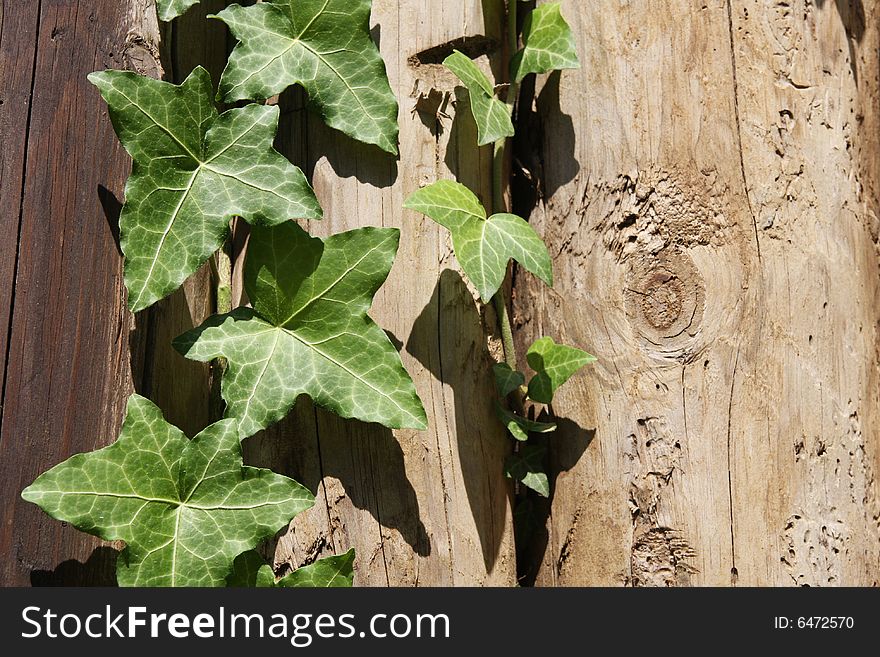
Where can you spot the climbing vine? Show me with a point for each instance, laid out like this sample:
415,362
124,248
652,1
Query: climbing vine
189,511
484,245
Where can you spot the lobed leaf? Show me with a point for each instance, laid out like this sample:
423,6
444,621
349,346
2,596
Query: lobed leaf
548,43
185,508
490,114
554,364
483,246
193,171
520,427
171,9
507,379
527,467
309,333
332,572
322,45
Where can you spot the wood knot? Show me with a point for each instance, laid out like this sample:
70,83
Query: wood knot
664,301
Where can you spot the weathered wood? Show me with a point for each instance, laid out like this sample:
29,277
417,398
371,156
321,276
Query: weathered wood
711,205
74,353
421,508
67,370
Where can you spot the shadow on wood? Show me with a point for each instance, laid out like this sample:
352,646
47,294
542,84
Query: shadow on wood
384,491
98,570
565,447
481,448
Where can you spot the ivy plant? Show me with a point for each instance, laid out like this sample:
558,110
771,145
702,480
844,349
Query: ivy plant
193,171
485,245
310,298
250,570
185,508
190,512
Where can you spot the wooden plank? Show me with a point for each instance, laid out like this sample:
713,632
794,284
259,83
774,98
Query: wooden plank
421,508
67,371
713,245
75,353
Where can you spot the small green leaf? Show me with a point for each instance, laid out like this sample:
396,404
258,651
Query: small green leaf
309,333
483,246
554,364
193,171
171,9
507,379
323,45
527,467
548,43
185,508
520,427
251,571
331,572
490,114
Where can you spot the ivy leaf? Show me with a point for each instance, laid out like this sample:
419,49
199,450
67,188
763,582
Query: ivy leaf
185,508
171,9
193,171
309,333
527,467
483,246
507,379
250,570
554,364
490,114
548,43
323,45
520,427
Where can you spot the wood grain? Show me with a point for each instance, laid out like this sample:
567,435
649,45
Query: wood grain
74,352
706,198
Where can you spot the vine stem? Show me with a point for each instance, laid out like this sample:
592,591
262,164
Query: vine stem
499,162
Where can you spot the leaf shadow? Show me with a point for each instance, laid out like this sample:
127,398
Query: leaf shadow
98,570
312,445
852,15
305,139
448,339
112,207
542,127
565,447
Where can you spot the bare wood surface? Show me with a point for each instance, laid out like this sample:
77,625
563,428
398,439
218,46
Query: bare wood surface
711,204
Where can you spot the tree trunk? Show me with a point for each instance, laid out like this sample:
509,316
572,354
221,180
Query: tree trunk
710,198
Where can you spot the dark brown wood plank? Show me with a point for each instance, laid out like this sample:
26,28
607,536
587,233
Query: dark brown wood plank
68,371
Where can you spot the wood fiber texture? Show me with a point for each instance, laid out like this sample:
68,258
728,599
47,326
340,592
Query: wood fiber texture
710,200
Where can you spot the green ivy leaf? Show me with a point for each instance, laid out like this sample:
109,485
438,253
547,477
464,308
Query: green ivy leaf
520,427
548,43
309,333
250,570
507,379
527,467
554,364
323,45
171,9
185,508
193,171
483,246
490,114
